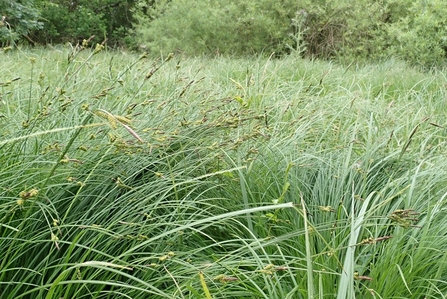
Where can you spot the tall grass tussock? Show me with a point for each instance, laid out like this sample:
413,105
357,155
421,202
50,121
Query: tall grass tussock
124,176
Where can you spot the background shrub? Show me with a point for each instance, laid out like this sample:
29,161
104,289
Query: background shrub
411,30
18,19
225,27
320,29
414,31
66,24
73,21
419,35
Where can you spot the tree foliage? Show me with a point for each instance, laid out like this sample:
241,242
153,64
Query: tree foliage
420,35
18,18
213,26
412,30
74,20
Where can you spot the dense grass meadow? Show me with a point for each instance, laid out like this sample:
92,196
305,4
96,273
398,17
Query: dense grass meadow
124,176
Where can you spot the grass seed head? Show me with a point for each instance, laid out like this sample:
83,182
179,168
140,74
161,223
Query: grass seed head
98,49
222,278
28,194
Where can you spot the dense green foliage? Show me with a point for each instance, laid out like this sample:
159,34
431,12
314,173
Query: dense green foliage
124,177
226,27
348,30
77,20
363,30
17,19
420,35
59,21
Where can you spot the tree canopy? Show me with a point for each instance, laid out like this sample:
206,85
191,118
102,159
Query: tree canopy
18,19
411,30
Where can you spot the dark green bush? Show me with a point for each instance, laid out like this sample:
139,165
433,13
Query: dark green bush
225,27
73,21
420,35
412,30
17,18
322,29
62,25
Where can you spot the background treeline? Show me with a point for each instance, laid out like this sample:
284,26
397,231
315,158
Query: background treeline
412,30
60,21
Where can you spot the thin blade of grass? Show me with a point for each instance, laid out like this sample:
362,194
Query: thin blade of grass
310,274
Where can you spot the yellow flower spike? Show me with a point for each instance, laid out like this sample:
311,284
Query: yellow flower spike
367,241
119,182
54,237
167,256
326,209
112,121
123,119
32,60
28,194
101,113
222,278
163,258
331,252
98,48
78,273
20,202
268,270
219,277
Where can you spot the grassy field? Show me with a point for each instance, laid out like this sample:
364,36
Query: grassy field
129,177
